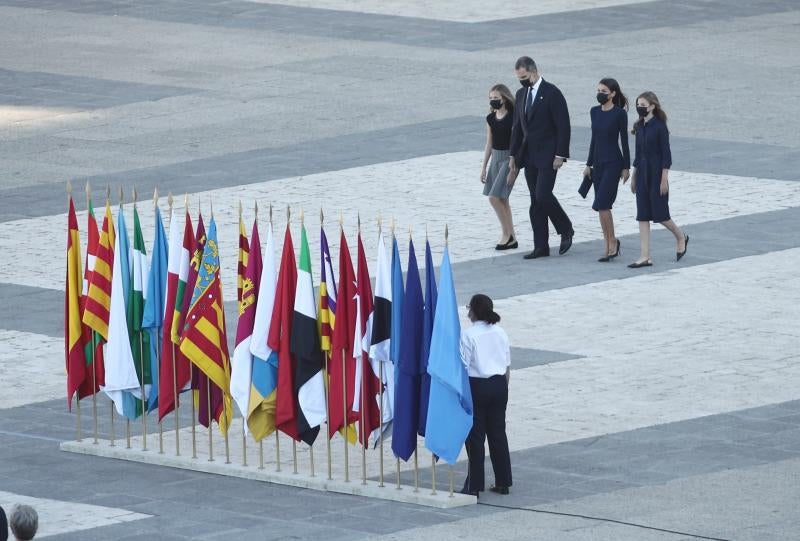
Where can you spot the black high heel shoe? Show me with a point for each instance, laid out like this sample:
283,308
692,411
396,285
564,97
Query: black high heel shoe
607,258
685,246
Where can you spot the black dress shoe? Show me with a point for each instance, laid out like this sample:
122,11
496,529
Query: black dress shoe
685,246
641,264
536,253
512,243
469,492
499,490
609,257
566,243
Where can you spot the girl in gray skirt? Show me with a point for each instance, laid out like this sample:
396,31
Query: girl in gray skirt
498,139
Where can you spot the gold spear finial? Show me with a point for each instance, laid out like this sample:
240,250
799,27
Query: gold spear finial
186,201
302,216
108,193
359,222
321,217
288,214
446,234
121,196
240,210
393,224
155,197
270,214
341,220
255,208
135,196
88,194
380,223
69,191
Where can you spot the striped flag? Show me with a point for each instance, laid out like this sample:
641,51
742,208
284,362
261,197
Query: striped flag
327,294
153,316
120,370
264,379
169,369
98,299
242,362
204,336
309,384
74,336
341,406
280,333
244,250
94,342
140,340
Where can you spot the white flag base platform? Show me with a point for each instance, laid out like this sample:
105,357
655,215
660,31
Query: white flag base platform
303,479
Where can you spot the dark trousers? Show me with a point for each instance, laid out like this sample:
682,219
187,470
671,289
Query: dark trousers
489,400
544,205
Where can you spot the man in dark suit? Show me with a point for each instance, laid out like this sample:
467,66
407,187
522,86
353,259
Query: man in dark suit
540,144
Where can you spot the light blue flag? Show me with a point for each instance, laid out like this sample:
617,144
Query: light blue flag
153,317
450,403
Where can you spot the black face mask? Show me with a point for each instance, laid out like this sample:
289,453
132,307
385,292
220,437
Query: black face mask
525,82
641,110
602,97
495,104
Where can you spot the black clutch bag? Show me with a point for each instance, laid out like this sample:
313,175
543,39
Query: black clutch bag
585,186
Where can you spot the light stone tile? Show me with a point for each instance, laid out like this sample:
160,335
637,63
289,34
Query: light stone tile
31,368
61,517
420,196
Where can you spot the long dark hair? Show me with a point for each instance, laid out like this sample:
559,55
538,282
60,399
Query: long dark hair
483,309
505,95
658,112
619,98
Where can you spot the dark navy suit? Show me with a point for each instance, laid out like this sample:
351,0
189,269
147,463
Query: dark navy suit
540,133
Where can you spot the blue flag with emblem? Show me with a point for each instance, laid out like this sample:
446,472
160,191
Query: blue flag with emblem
153,317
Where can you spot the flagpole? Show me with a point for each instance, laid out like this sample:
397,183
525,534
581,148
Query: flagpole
77,392
294,442
277,436
158,349
451,480
127,419
174,353
327,381
380,398
141,365
261,454
210,431
244,431
111,434
397,459
194,413
416,469
345,425
380,428
94,343
363,392
433,474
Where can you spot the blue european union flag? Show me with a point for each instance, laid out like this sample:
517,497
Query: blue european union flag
407,389
427,330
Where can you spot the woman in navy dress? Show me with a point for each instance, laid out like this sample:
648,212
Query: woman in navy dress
498,140
609,157
650,179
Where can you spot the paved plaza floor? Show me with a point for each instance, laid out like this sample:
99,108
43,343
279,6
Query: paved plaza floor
659,404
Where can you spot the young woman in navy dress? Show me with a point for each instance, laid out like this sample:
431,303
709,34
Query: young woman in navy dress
609,158
650,179
498,138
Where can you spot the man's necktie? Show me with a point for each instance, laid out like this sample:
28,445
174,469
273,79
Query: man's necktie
529,101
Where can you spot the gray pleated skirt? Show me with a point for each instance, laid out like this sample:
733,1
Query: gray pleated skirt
496,177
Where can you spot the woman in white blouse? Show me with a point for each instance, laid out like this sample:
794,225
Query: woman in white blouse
486,354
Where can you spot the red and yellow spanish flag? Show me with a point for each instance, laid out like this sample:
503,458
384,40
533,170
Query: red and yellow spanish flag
98,299
244,251
204,339
74,337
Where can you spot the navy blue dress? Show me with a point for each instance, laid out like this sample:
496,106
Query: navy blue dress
652,157
607,160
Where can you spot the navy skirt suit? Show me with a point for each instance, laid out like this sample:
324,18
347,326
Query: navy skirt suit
652,157
609,153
